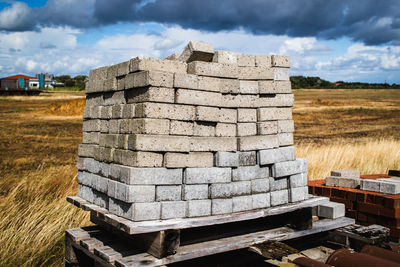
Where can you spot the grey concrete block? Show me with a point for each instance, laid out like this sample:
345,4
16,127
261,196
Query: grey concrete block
189,81
331,210
348,182
86,193
246,129
389,187
173,209
224,190
267,127
213,144
195,191
226,159
106,112
143,63
104,126
91,125
247,158
241,188
181,128
114,98
146,176
277,184
86,150
298,194
285,139
260,185
111,188
221,206
225,57
281,74
128,111
247,115
346,173
242,203
279,197
168,192
104,169
281,154
261,201
90,138
156,143
298,180
287,168
147,211
92,165
120,208
332,181
204,128
228,115
225,129
196,208
285,126
84,178
135,193
207,175
189,160
213,69
246,143
100,199
137,158
248,87
197,51
99,183
245,173
246,60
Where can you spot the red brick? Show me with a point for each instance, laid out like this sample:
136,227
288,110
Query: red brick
338,193
360,197
347,203
369,208
318,191
362,217
351,213
374,176
326,192
370,198
351,195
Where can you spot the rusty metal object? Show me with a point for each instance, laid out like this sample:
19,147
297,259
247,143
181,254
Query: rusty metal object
345,258
381,253
307,262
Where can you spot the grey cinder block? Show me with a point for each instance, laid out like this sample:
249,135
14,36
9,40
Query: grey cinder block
194,191
389,187
247,158
276,155
197,51
173,209
147,211
242,203
332,181
277,184
195,208
227,159
221,206
135,193
260,185
100,199
120,208
244,173
298,194
86,193
207,175
346,173
287,168
331,210
298,180
146,176
168,192
279,197
261,200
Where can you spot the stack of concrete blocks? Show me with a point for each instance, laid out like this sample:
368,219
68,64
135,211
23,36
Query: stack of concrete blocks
344,178
389,186
201,133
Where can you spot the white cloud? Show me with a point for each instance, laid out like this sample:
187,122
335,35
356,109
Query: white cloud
17,16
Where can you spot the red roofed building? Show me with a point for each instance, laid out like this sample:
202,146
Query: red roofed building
15,82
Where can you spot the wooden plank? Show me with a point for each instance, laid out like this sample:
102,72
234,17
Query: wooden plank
232,243
98,262
131,227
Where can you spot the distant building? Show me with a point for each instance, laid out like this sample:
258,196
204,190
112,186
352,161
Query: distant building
15,82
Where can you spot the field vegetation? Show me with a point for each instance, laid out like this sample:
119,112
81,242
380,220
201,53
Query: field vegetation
39,136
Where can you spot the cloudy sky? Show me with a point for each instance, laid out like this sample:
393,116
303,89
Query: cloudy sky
351,40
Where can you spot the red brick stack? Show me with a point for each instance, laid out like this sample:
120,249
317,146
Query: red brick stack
364,206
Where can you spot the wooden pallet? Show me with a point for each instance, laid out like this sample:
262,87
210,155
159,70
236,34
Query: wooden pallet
94,246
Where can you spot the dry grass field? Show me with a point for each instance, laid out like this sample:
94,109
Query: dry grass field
38,149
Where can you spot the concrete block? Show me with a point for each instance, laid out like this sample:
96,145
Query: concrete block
208,83
104,126
346,173
225,57
196,208
276,184
285,139
285,126
194,191
116,111
114,98
348,182
213,144
207,114
90,138
121,83
122,209
247,158
84,178
143,64
108,140
213,69
331,210
174,56
137,158
93,100
226,159
181,128
183,80
261,201
165,111
149,126
197,51
100,199
92,165
91,126
389,187
128,111
245,173
207,175
123,68
147,211
104,154
227,115
106,112
260,185
279,197
255,73
221,206
158,143
193,97
298,180
204,128
242,203
224,190
268,114
86,193
267,127
104,169
85,150
229,86
246,115
274,87
246,143
87,114
146,176
246,129
241,188
111,188
288,168
99,183
135,193
280,61
245,60
150,94
225,129
263,61
332,181
188,160
298,194
80,164
281,74
168,192
114,126
173,209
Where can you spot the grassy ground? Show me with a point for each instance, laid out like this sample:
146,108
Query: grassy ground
39,137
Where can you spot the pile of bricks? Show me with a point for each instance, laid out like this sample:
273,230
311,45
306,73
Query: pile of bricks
367,207
201,133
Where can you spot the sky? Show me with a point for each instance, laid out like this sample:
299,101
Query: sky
349,40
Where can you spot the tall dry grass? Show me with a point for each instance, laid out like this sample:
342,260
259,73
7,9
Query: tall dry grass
372,156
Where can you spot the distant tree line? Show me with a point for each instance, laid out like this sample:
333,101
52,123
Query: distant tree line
299,82
78,81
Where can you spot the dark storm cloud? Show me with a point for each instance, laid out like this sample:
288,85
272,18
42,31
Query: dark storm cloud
369,21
